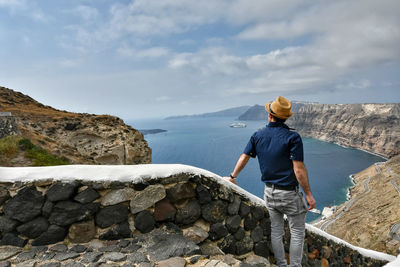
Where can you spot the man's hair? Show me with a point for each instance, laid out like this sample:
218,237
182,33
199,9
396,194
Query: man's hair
278,119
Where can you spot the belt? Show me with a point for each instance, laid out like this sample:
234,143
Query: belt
283,187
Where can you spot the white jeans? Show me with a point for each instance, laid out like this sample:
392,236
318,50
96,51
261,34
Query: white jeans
291,203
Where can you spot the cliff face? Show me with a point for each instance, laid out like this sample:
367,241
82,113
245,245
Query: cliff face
369,219
82,138
372,127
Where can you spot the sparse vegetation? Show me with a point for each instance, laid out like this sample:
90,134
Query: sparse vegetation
8,147
12,146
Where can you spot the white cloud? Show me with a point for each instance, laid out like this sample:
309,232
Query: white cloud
149,53
87,13
163,98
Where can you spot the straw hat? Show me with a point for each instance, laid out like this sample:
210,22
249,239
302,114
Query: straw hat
280,108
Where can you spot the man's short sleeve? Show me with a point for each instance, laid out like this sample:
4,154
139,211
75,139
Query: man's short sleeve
250,149
296,148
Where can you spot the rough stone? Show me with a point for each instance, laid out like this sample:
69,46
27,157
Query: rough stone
233,208
203,195
244,246
114,256
210,249
45,256
28,263
137,257
147,198
25,206
13,239
4,195
86,196
59,248
110,248
217,231
124,243
47,208
257,212
53,235
26,255
82,232
119,231
91,257
196,234
34,228
326,252
68,212
240,233
173,262
131,248
171,245
257,260
244,210
233,223
144,221
228,245
257,234
73,264
79,248
7,224
110,215
51,264
8,252
262,248
214,211
62,256
118,196
189,213
164,211
180,192
249,222
60,191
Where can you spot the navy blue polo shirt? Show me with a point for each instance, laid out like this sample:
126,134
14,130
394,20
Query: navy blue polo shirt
275,147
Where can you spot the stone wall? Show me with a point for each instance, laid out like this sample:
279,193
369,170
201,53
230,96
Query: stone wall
209,213
7,124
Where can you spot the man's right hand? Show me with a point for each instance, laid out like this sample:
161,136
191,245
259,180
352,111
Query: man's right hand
310,201
229,179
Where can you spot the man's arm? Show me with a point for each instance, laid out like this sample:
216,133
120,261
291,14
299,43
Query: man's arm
240,164
302,177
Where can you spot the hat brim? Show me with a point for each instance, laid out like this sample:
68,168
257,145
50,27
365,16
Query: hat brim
267,108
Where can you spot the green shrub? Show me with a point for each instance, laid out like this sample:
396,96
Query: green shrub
11,146
40,156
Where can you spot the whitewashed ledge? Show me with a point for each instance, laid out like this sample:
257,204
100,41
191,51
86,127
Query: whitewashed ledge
145,172
121,173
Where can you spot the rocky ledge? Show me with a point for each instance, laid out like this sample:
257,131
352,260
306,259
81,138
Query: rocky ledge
157,212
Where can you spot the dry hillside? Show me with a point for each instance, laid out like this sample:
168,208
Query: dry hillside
375,211
81,138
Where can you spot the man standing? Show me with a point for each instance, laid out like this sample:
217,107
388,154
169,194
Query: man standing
280,155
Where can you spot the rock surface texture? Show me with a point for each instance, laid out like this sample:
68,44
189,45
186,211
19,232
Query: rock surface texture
371,127
82,138
205,223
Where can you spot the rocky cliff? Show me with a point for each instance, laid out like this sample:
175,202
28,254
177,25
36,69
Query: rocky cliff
371,127
82,138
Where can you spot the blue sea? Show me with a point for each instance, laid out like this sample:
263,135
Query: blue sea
210,143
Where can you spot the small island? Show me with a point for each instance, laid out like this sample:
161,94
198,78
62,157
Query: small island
152,131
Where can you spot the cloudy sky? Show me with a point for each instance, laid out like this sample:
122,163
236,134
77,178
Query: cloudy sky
155,58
